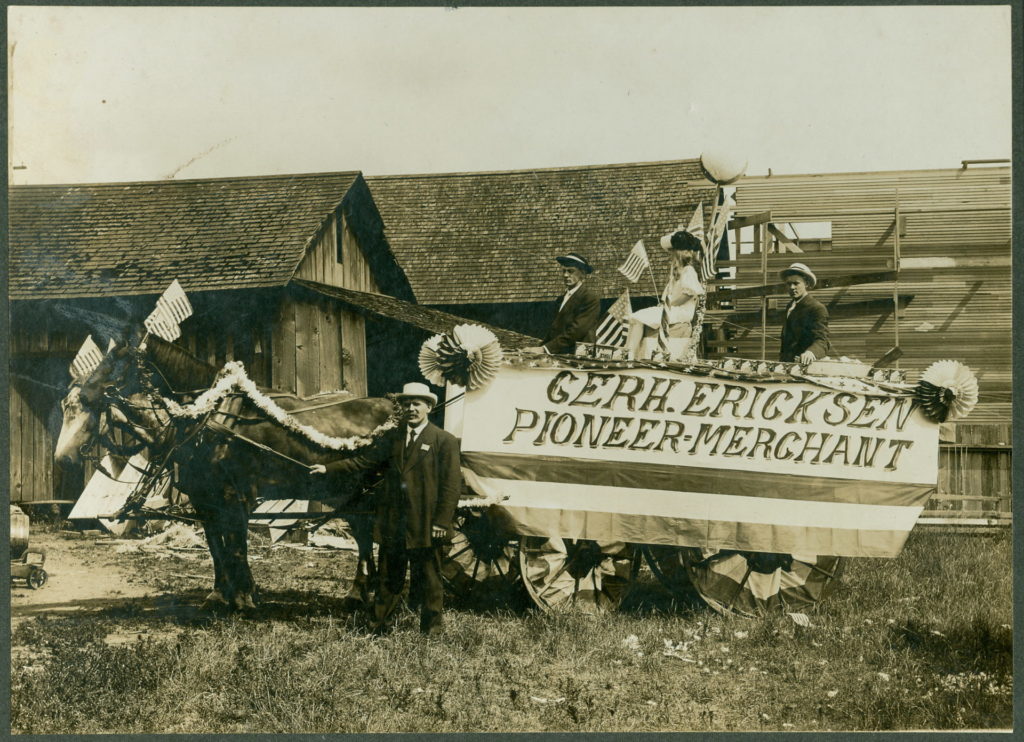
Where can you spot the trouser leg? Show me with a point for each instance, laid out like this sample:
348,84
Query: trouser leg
426,570
394,561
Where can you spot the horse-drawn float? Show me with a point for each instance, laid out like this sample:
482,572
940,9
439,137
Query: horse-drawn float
745,481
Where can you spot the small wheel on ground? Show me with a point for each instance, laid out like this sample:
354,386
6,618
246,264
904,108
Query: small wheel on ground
481,559
36,578
578,573
756,583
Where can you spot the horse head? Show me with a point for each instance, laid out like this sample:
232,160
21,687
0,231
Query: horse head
98,391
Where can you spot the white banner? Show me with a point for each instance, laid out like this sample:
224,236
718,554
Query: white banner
656,417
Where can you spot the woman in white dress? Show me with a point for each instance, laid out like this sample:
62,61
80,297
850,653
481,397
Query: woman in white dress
680,297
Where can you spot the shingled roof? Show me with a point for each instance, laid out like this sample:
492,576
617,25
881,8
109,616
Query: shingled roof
492,237
110,239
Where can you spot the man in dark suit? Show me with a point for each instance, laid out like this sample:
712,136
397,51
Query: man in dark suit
577,311
805,331
422,484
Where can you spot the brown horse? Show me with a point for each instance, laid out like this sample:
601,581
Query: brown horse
225,455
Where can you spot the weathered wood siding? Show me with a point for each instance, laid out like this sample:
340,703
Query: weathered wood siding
31,443
975,475
954,241
317,347
321,262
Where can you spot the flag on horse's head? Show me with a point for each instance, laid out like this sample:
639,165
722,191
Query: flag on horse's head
635,263
171,309
87,359
612,330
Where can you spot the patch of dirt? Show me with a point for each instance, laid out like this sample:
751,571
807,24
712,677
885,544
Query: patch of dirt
82,577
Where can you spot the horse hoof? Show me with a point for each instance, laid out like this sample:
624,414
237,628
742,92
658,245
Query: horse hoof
245,604
215,603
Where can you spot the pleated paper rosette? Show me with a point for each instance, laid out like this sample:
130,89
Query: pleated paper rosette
947,390
469,356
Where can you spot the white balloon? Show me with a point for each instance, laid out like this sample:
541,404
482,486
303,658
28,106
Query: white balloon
722,168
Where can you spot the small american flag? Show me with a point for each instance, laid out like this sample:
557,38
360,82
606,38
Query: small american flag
712,241
635,263
612,331
171,309
696,225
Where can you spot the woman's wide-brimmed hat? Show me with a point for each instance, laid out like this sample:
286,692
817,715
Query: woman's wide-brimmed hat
799,269
416,390
575,260
681,240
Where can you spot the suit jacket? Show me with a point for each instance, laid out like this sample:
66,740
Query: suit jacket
421,487
573,323
806,328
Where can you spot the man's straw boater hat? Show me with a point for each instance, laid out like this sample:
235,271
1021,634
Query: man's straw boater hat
575,260
416,390
799,269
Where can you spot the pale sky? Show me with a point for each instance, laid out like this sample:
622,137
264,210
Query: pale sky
122,94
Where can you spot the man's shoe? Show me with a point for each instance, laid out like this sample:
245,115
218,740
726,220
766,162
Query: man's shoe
381,629
434,628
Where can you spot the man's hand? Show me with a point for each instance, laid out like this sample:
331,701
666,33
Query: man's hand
318,469
438,533
806,357
535,349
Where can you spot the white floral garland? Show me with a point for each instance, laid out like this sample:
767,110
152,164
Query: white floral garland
233,376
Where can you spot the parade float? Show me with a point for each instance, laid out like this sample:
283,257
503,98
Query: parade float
746,482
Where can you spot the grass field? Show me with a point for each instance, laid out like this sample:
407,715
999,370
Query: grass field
919,642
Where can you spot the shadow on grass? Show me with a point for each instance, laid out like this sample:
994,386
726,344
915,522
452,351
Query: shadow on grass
978,646
649,598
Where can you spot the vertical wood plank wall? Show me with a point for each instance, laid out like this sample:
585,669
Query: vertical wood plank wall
335,329
31,449
309,339
321,265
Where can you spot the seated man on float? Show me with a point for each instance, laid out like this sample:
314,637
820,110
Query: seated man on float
680,297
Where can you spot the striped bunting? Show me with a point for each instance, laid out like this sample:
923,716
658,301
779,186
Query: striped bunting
612,331
690,506
699,519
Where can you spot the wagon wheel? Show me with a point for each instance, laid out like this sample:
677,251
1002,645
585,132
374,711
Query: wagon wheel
481,560
36,578
592,575
755,583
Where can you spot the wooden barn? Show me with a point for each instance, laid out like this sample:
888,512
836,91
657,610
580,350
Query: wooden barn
285,274
939,244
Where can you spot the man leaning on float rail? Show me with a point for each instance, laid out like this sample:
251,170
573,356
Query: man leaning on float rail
578,310
805,331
